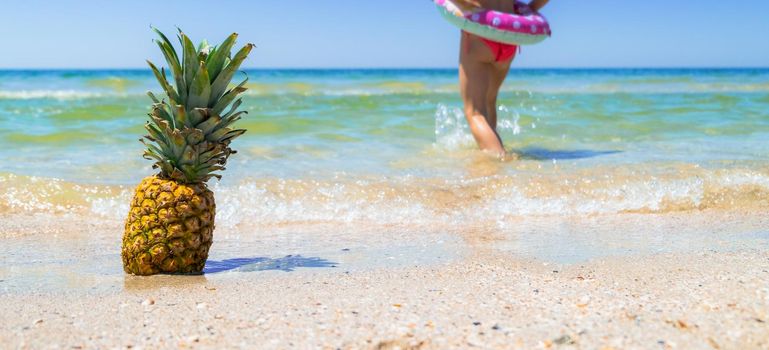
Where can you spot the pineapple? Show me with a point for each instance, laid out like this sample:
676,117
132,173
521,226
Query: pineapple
171,221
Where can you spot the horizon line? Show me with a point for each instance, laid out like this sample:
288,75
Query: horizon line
2,69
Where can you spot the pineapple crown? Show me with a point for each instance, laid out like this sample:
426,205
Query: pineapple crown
189,133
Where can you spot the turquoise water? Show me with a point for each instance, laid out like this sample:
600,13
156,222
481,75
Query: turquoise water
393,145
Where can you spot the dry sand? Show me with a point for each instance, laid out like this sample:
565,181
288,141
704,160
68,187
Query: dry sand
483,297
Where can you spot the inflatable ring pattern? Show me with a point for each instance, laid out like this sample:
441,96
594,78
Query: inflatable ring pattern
526,27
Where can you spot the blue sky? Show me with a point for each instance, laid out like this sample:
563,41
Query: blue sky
396,33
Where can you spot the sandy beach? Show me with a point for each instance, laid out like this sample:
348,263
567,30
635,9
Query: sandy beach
333,175
468,288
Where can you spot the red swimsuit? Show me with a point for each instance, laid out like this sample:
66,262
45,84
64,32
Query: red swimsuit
502,52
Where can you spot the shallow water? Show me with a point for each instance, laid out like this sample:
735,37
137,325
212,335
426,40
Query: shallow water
575,240
391,146
62,253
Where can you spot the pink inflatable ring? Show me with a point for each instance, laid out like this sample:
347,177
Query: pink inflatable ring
527,27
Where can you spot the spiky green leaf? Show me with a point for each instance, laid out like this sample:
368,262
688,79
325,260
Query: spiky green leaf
209,124
190,60
230,96
168,43
233,108
161,78
188,138
219,86
152,97
198,115
200,91
176,69
218,56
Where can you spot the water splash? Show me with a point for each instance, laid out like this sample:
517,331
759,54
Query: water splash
451,130
508,122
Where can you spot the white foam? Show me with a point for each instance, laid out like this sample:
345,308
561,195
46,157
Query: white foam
111,206
414,200
337,202
50,94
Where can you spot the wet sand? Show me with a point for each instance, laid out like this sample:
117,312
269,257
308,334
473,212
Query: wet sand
679,280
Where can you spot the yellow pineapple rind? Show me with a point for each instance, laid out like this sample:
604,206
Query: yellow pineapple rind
169,228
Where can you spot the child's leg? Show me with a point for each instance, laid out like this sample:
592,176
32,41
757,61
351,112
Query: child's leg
498,74
476,75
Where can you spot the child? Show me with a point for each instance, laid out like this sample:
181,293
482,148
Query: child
483,67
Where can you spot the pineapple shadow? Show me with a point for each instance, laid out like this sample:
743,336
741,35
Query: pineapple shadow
287,263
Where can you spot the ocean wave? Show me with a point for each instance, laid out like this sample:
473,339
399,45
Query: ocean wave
52,94
595,89
81,94
352,92
411,200
672,88
409,90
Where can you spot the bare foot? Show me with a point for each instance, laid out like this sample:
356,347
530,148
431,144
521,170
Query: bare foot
509,157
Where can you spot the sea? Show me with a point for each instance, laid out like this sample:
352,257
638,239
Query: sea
392,146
